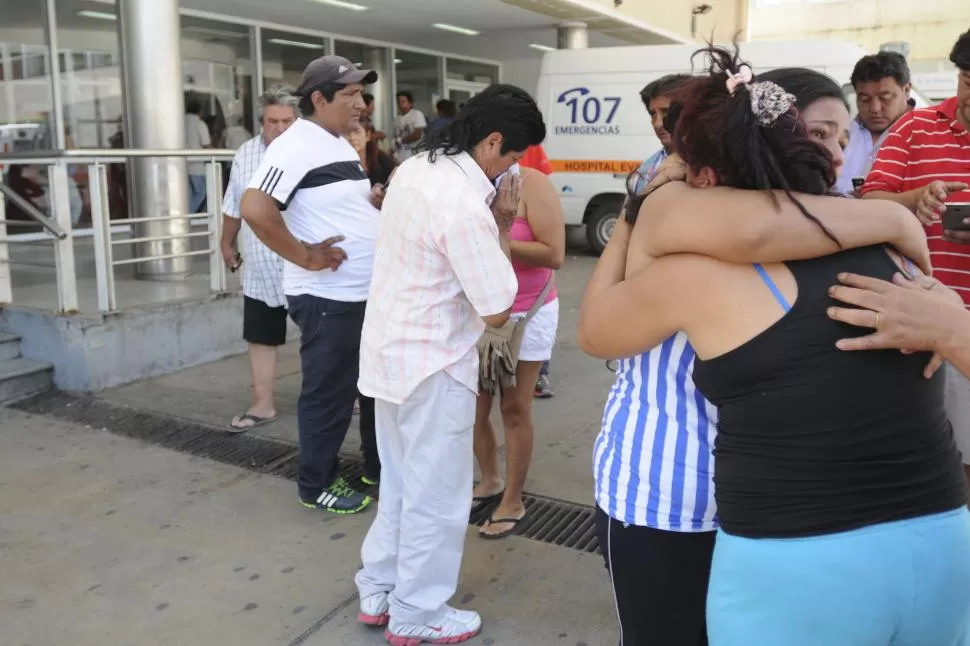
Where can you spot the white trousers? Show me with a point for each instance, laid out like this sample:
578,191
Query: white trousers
414,547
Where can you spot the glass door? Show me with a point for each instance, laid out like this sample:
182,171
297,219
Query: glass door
461,91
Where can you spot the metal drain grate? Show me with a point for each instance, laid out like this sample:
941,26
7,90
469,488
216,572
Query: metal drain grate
549,520
553,521
250,452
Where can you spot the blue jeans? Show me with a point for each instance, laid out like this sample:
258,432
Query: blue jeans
904,583
330,360
544,370
196,192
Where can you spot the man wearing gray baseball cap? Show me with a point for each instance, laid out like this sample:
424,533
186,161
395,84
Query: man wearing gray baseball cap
333,69
327,242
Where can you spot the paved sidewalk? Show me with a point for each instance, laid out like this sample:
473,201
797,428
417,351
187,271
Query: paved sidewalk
565,426
105,541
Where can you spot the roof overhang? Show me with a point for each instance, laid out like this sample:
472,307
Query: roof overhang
601,19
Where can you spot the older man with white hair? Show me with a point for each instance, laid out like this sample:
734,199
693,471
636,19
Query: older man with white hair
264,304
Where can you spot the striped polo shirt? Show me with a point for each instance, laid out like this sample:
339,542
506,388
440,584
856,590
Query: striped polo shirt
924,146
652,461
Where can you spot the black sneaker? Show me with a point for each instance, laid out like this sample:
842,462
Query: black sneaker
339,498
543,390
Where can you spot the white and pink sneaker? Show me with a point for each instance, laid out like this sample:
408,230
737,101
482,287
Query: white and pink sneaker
374,610
454,627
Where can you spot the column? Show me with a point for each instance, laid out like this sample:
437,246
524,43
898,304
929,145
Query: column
376,58
155,118
572,35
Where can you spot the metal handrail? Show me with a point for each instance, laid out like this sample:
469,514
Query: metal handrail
168,256
97,161
30,263
177,236
110,155
33,212
105,262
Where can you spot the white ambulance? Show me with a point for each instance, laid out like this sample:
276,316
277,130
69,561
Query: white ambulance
598,130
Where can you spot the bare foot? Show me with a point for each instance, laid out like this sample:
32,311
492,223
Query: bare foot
488,488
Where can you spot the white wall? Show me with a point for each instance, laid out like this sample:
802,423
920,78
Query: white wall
930,26
523,72
724,20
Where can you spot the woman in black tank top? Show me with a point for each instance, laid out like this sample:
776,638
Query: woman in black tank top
840,491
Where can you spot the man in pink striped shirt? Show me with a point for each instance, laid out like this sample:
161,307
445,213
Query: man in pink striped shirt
441,273
925,164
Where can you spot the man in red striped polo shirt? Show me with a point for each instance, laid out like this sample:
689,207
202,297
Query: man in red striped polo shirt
923,164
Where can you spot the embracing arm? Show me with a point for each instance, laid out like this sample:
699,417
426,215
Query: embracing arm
909,199
622,318
743,226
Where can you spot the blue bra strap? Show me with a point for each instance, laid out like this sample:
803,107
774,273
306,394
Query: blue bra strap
774,288
910,266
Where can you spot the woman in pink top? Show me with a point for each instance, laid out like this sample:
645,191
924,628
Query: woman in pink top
538,248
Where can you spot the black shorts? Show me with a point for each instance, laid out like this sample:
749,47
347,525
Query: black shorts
262,324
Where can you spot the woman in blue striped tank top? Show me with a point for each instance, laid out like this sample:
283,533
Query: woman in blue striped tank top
840,494
653,468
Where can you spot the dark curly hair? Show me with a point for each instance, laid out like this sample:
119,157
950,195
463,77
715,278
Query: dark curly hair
719,130
501,108
960,55
876,67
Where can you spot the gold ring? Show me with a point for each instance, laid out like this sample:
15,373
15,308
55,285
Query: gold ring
878,319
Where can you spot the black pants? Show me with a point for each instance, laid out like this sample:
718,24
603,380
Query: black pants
330,359
659,582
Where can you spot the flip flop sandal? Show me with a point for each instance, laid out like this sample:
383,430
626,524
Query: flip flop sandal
497,521
256,420
481,502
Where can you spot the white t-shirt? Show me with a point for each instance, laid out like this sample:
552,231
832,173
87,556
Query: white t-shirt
236,136
196,138
404,125
318,179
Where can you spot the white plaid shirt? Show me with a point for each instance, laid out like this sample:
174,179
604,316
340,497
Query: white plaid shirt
438,268
262,277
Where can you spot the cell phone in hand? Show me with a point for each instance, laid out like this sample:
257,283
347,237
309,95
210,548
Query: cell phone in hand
857,182
238,264
954,216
